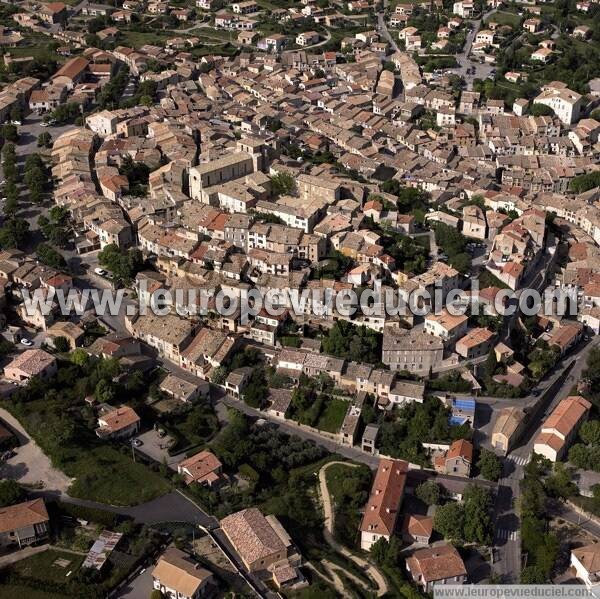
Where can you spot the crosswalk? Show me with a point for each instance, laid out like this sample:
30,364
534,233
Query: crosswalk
502,534
519,460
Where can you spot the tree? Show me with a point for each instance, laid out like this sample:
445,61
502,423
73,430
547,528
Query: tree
282,183
590,432
429,492
14,233
80,357
449,520
49,256
540,110
124,264
44,140
560,484
477,519
489,464
10,493
218,375
61,345
10,132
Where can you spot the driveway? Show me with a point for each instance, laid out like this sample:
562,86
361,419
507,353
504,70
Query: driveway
138,588
156,448
31,465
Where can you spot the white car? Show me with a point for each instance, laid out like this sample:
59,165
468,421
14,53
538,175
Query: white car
26,342
16,122
44,124
101,272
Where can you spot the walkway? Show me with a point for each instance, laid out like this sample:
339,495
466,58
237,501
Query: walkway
329,514
16,556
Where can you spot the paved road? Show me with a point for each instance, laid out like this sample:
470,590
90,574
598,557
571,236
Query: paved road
570,515
483,70
383,29
507,529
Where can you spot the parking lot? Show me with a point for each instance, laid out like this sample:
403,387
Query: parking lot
156,448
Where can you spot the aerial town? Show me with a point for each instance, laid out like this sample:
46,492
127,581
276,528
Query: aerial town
298,299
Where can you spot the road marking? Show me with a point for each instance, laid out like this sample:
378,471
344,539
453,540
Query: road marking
519,460
502,534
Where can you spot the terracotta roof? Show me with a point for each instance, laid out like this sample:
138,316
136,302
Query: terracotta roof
252,535
32,361
119,419
417,525
567,414
461,448
437,563
176,570
22,514
381,511
200,466
589,556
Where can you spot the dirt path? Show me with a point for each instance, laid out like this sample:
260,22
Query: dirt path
363,564
31,465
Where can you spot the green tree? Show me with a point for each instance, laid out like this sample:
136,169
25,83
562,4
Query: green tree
429,492
44,140
61,345
10,493
282,184
489,464
449,520
14,233
477,515
590,432
10,132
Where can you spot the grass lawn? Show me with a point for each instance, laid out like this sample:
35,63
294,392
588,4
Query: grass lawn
505,18
333,415
43,566
137,39
106,475
217,34
36,45
487,279
17,591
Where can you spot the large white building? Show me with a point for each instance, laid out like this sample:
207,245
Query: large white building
565,103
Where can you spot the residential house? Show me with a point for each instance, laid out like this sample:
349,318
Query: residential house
383,507
119,423
440,564
560,428
457,460
24,523
417,529
586,563
31,363
260,541
177,576
203,468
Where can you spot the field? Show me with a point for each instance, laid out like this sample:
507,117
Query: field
136,39
10,591
333,415
505,18
104,474
43,567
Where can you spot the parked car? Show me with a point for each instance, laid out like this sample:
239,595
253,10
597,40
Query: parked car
101,272
137,443
26,342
